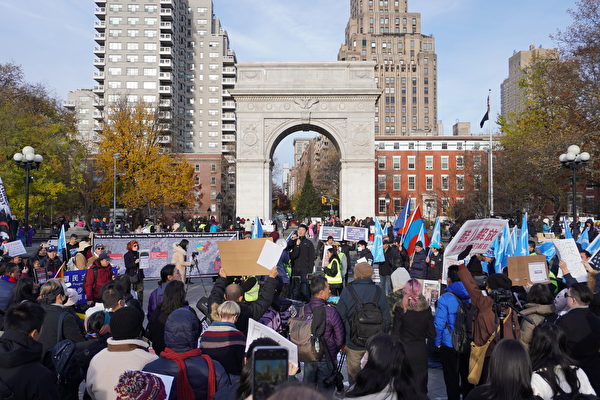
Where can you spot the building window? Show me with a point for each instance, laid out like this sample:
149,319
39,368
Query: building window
213,167
459,145
197,168
460,162
428,162
477,161
460,182
396,160
477,182
444,144
445,204
397,205
411,162
197,180
429,182
380,182
445,182
213,180
382,206
396,182
381,162
444,162
411,145
411,182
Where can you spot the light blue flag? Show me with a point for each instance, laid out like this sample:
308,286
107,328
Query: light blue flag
62,242
257,230
522,248
378,243
594,246
421,236
547,249
500,252
402,218
436,235
584,239
512,243
568,234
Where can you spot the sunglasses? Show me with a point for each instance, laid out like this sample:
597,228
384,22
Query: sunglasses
136,245
100,248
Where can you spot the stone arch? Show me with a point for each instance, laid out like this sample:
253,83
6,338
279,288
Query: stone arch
273,100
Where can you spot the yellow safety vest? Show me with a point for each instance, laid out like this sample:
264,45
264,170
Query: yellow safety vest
252,294
337,279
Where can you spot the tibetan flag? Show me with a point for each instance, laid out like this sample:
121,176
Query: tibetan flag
402,218
584,239
486,117
257,230
412,233
522,248
501,250
594,246
436,235
377,250
568,233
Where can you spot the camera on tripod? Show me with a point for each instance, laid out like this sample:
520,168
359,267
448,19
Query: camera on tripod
503,300
195,254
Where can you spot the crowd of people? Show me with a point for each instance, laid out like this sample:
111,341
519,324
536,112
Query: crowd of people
495,341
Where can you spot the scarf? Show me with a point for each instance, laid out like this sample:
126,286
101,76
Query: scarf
184,389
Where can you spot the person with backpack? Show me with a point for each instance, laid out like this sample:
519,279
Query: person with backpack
22,374
58,329
324,324
95,277
197,376
453,322
365,312
539,308
413,324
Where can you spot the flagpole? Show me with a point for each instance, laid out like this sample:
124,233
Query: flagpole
491,163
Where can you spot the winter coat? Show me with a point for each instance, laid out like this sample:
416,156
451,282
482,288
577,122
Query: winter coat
334,327
7,289
131,267
254,309
179,258
401,260
302,257
21,368
156,297
387,393
537,313
435,266
85,351
583,341
180,338
365,290
365,253
418,269
93,286
70,327
413,327
225,344
52,265
486,322
107,366
387,267
445,313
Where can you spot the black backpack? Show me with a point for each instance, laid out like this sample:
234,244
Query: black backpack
62,355
367,320
463,326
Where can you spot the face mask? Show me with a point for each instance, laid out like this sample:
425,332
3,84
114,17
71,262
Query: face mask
363,360
360,248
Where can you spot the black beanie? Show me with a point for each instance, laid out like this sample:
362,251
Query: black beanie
126,323
498,281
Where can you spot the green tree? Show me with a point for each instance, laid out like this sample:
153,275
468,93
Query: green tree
29,116
308,204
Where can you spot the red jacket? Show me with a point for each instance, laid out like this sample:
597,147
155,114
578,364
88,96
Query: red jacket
93,285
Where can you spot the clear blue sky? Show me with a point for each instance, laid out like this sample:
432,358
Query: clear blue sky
52,40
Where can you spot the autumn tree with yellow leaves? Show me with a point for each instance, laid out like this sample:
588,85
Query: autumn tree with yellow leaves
147,177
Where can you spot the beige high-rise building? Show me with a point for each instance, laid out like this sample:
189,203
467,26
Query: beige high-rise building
513,100
406,70
82,102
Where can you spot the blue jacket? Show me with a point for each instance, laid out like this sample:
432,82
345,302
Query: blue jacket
445,313
182,330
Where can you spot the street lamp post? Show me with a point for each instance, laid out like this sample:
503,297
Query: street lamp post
219,202
428,205
115,158
388,200
27,160
574,160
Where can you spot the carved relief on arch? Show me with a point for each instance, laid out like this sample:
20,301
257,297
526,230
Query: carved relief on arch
249,138
359,134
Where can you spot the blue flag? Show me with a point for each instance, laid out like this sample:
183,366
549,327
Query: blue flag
402,218
568,234
62,242
436,235
378,243
257,230
547,249
501,251
594,246
584,239
512,243
522,248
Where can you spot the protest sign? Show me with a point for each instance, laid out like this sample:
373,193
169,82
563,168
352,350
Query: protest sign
336,232
15,248
239,257
202,246
325,258
144,259
431,292
269,255
399,278
257,330
569,253
354,233
527,269
41,275
4,199
75,278
478,233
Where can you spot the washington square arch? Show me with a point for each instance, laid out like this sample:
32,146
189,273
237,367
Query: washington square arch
276,99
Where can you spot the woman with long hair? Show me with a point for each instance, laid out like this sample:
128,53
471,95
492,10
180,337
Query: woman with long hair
554,371
509,375
386,372
333,272
133,270
413,324
540,305
173,298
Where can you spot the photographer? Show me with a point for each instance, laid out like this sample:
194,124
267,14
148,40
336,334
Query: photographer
494,315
